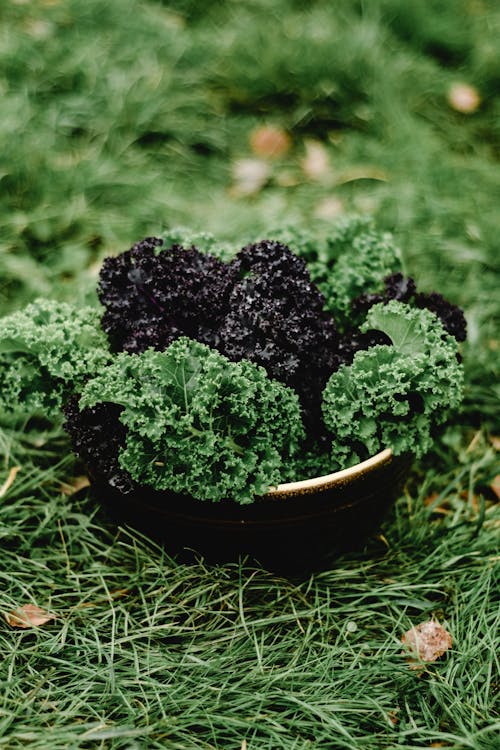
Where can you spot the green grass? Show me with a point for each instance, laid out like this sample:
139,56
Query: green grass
122,118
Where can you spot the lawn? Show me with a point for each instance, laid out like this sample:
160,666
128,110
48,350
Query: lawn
123,118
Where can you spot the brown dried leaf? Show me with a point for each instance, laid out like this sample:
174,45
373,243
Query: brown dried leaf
316,162
426,642
329,208
475,503
9,481
269,141
495,441
474,442
75,485
464,98
28,616
393,716
443,507
250,176
431,499
495,486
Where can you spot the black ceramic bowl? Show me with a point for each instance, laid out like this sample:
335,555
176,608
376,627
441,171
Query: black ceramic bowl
293,527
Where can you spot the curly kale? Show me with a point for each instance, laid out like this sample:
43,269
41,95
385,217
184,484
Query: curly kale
394,396
403,289
195,423
345,231
46,350
411,331
321,247
321,244
360,269
275,318
267,304
205,242
310,244
310,461
152,297
262,306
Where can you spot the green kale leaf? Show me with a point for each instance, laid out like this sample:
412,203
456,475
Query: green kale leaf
361,258
394,396
411,330
321,244
309,463
197,423
203,241
47,350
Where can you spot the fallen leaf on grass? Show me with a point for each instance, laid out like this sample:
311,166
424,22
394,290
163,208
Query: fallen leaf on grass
269,141
329,208
445,507
464,98
9,481
75,485
28,616
495,486
474,442
442,507
495,441
316,162
250,176
393,717
426,642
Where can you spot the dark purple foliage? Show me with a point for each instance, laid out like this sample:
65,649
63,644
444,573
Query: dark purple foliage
275,318
452,317
354,341
152,298
396,286
97,436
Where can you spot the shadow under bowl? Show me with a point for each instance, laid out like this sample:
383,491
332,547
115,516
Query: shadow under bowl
290,529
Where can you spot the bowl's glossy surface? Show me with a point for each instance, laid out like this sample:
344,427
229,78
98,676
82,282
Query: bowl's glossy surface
293,527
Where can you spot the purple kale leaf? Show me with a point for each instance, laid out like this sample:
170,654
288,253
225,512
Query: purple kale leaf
451,316
275,318
151,298
97,436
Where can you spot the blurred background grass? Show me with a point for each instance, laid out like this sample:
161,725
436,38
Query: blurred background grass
124,117
121,118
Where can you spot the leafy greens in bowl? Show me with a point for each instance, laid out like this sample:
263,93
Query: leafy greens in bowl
219,375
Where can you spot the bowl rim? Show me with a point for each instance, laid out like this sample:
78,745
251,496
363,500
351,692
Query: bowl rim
331,480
